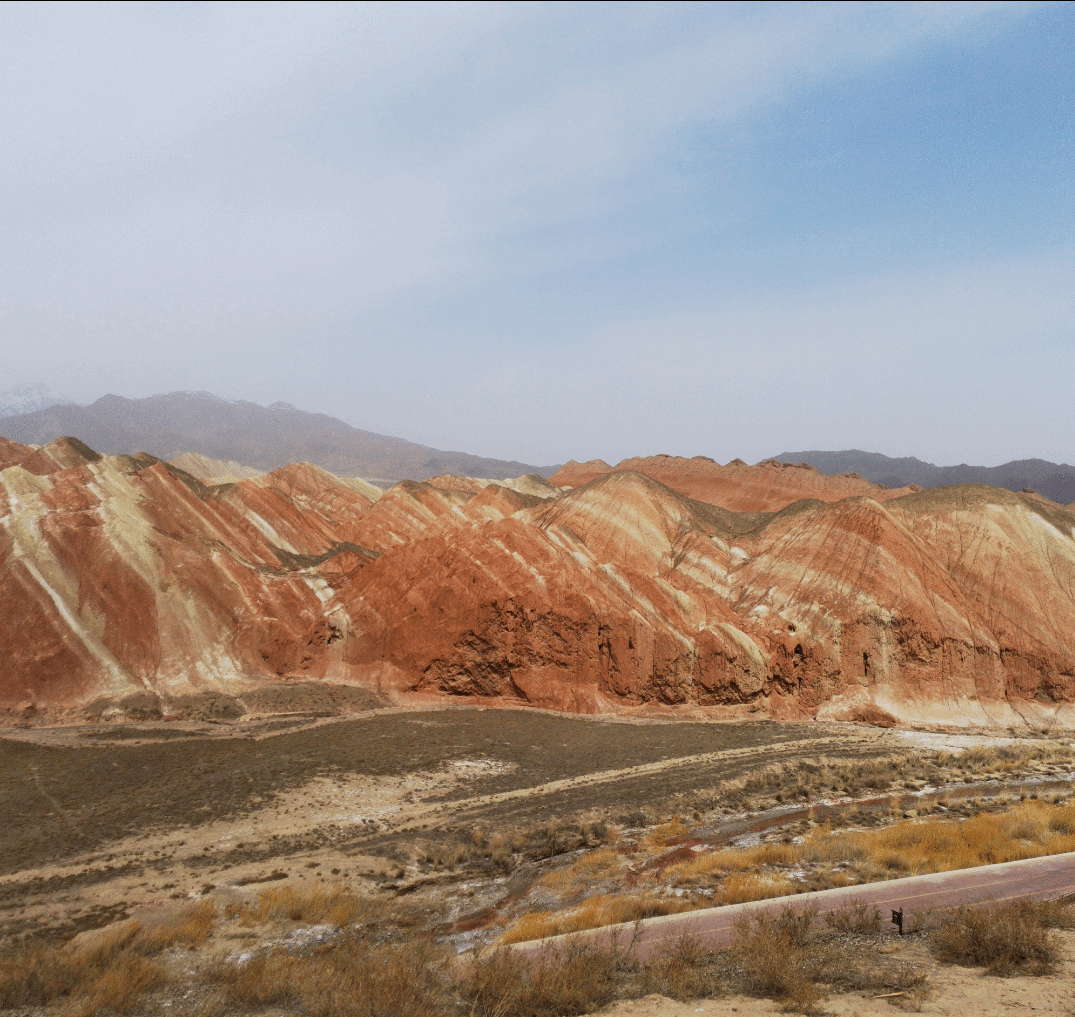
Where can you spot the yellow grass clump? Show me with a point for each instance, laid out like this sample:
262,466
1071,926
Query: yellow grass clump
1027,830
594,912
190,929
909,847
580,875
667,833
721,863
747,886
319,905
112,970
347,978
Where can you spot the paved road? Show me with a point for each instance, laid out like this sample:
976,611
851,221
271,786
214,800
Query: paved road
1040,878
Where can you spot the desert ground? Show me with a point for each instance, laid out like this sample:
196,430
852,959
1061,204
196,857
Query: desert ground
953,991
471,828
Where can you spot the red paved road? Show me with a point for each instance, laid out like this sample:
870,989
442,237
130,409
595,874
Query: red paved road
1041,878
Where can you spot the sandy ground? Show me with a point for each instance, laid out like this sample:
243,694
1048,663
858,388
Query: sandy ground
98,822
957,991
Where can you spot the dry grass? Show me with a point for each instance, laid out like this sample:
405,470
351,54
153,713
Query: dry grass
1027,830
857,918
328,905
684,972
391,972
1007,758
115,970
780,958
910,847
560,982
722,863
191,929
591,868
1006,939
667,833
347,979
787,957
813,779
748,886
592,913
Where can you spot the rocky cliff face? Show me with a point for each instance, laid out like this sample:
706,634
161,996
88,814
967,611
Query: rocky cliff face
630,591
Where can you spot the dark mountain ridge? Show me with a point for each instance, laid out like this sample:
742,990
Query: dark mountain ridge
1054,480
265,437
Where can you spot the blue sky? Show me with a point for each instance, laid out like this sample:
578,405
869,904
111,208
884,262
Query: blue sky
552,231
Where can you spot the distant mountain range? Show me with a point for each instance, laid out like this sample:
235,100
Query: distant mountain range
265,437
28,398
1054,480
268,437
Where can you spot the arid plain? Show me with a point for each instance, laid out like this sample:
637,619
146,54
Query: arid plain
257,721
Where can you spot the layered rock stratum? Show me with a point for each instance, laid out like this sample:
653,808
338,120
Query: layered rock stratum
660,583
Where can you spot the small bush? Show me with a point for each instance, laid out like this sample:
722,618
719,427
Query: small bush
114,970
320,905
682,972
1005,939
348,979
856,918
559,982
190,930
780,957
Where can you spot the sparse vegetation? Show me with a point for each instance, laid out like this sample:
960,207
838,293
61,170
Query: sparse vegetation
522,866
114,969
378,963
906,847
857,918
349,978
781,958
559,982
330,905
611,909
1005,938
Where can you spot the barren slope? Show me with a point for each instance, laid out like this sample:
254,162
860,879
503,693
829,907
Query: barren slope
214,471
122,575
765,487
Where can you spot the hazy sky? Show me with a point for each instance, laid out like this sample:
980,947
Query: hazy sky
551,231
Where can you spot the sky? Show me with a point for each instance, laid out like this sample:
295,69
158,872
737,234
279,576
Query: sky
553,231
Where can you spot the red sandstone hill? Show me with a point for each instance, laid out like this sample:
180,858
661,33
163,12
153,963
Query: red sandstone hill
766,487
124,575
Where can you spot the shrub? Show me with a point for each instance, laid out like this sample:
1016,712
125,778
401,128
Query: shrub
347,979
682,972
113,970
559,982
856,918
329,905
780,957
1005,939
